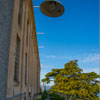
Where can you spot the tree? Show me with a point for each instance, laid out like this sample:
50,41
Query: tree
71,81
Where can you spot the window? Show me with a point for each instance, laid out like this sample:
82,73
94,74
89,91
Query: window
26,68
20,13
27,34
17,54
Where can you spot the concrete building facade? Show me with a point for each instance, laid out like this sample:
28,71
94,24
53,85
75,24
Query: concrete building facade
19,56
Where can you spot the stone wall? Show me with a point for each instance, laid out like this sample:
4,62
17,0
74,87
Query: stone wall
9,30
6,10
27,33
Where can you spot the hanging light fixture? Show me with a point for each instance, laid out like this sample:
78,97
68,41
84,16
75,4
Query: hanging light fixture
52,8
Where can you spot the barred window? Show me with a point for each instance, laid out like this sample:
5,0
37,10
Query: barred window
17,54
27,34
20,13
26,68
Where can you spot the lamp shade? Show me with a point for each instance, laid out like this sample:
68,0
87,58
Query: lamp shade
52,8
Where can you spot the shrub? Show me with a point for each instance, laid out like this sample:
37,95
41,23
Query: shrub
43,96
55,96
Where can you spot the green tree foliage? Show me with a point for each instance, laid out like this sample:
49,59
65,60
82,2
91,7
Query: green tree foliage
71,81
43,96
54,96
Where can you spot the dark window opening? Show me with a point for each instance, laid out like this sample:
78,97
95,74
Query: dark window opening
20,13
27,34
17,54
26,68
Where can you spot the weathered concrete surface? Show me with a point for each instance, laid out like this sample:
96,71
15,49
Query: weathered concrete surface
9,30
6,9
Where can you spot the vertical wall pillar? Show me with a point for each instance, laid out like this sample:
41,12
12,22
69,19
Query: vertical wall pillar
6,10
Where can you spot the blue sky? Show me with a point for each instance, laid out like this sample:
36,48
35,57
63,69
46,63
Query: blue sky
74,35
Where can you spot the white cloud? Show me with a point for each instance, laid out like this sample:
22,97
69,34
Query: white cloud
40,33
73,57
85,58
87,70
41,46
46,66
42,75
91,58
51,56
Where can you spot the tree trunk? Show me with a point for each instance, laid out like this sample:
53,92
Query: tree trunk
43,87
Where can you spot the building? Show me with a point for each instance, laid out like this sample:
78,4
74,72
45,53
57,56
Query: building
19,57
